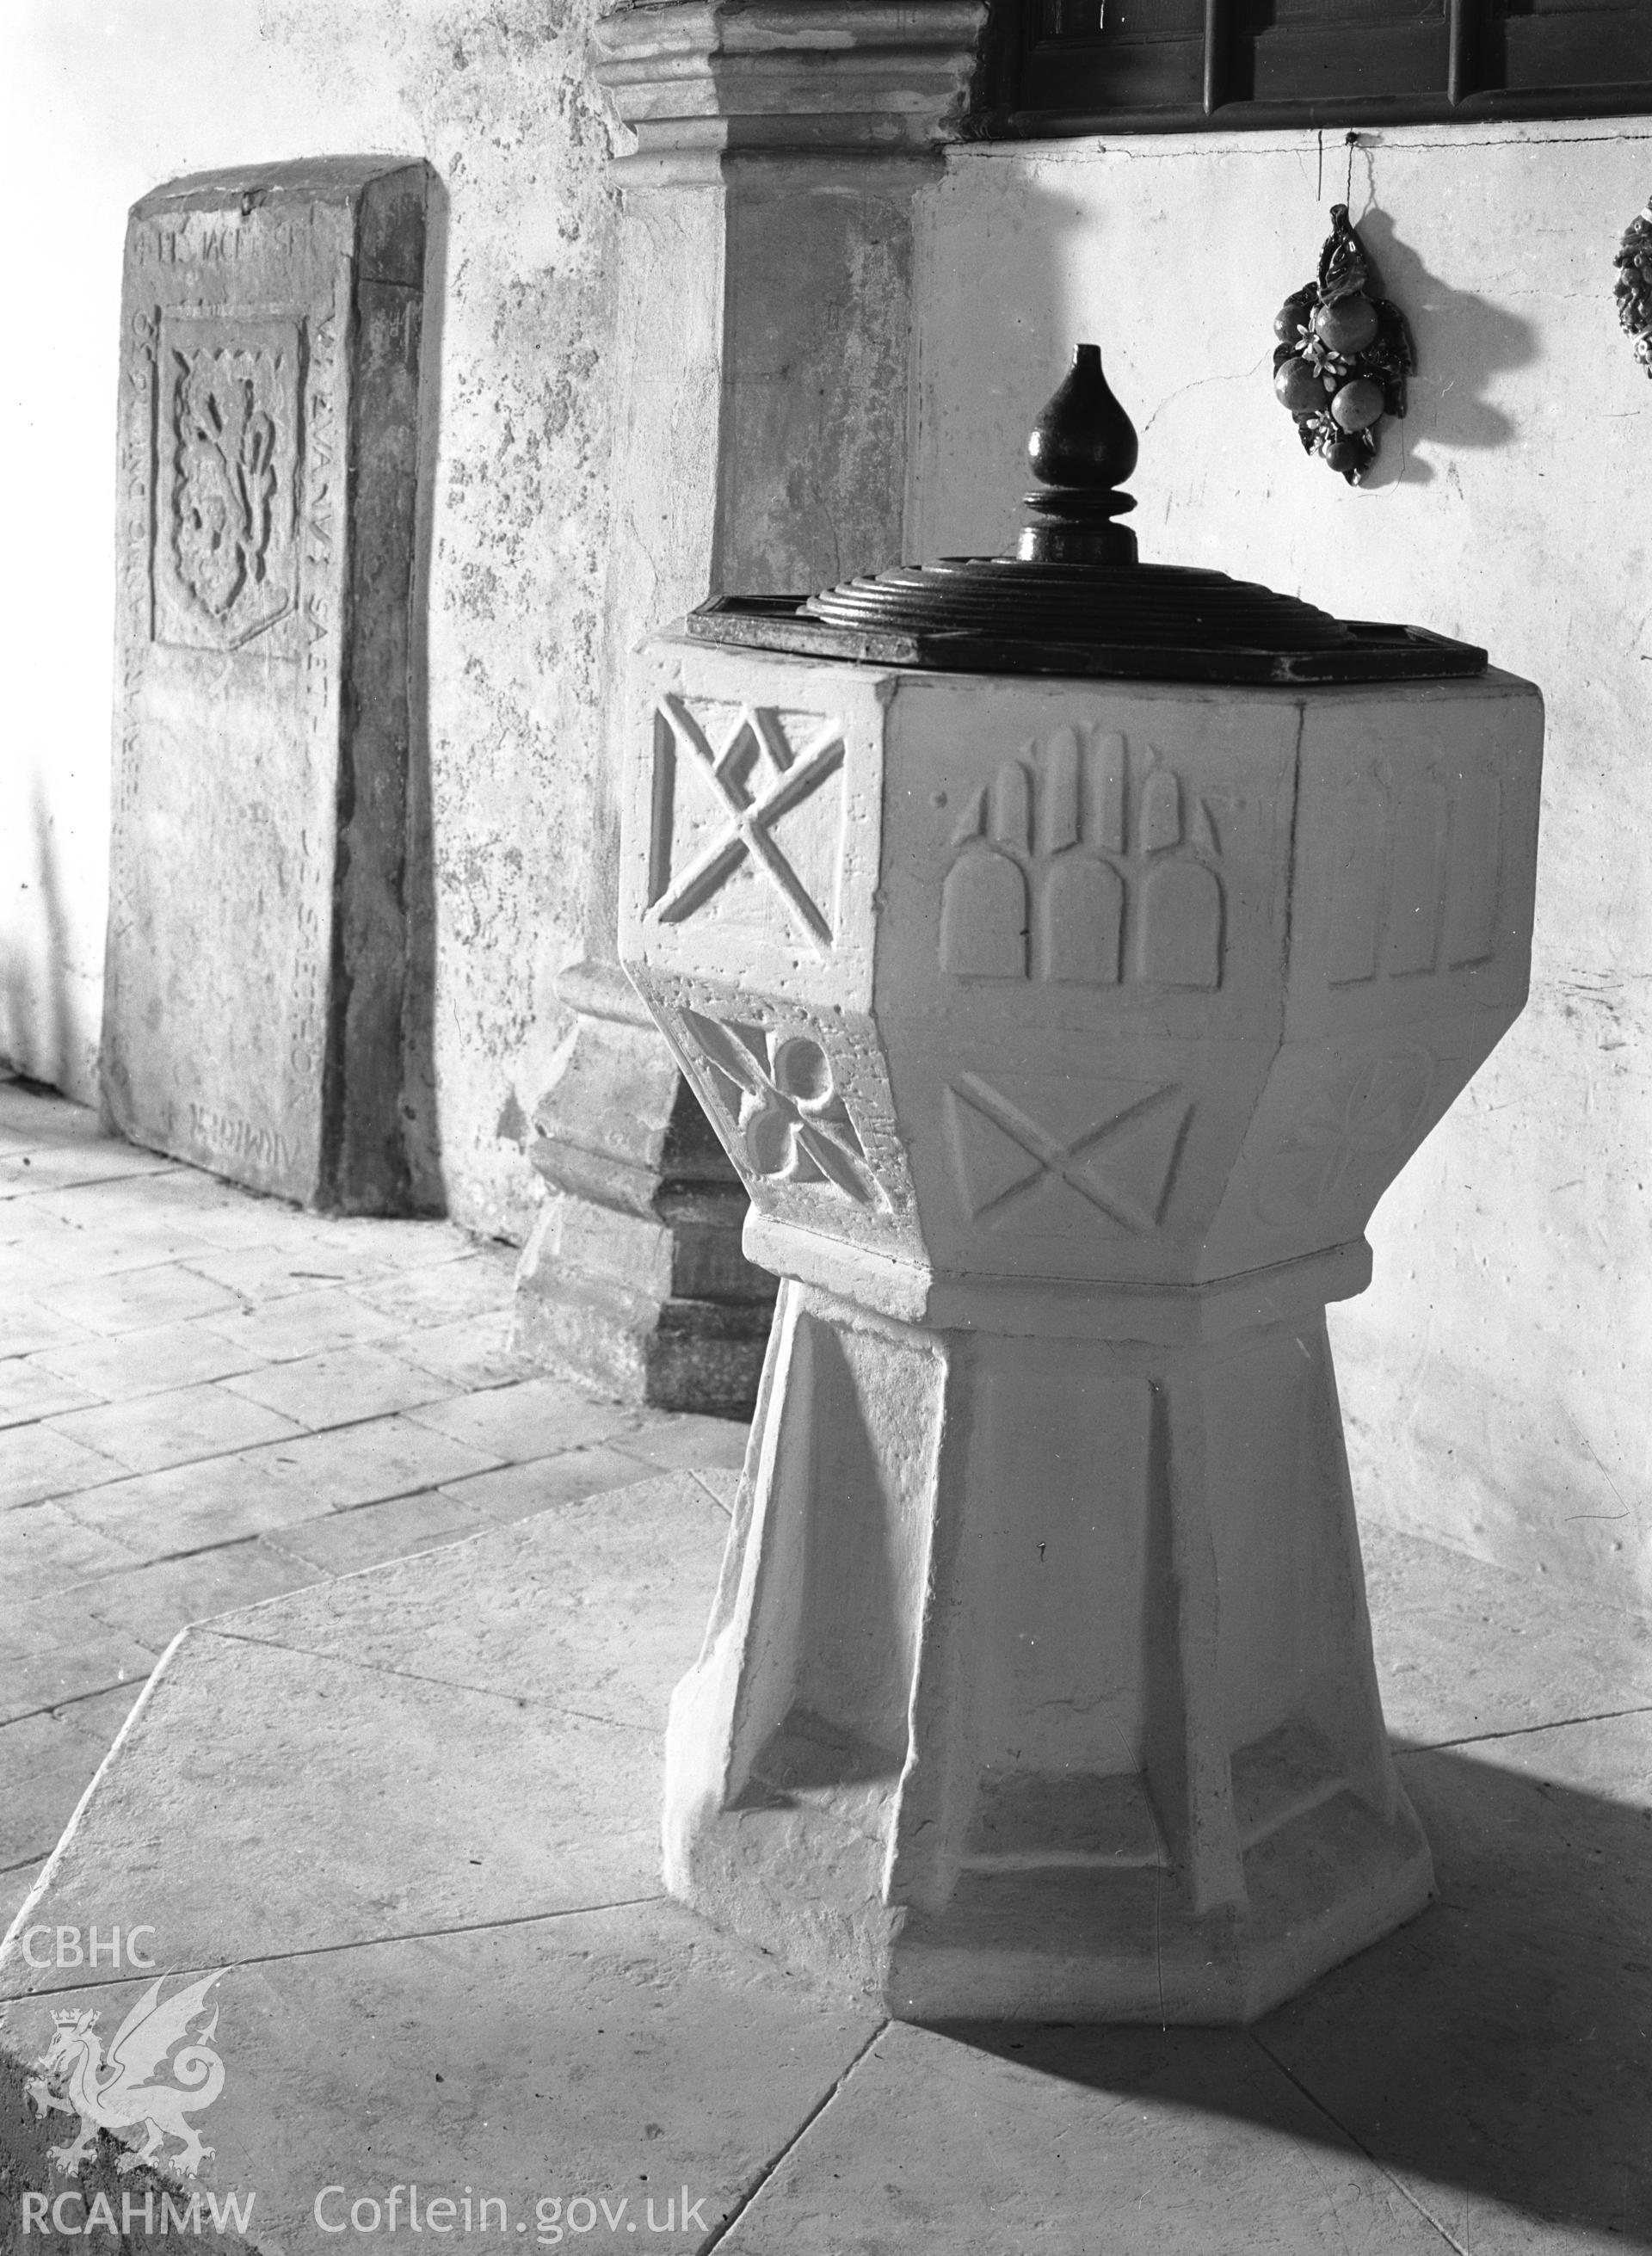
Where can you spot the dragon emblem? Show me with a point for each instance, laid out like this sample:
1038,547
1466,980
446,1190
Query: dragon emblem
120,2092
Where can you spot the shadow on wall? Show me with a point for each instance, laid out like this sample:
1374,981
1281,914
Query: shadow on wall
1497,2048
987,359
1462,342
420,1114
36,1030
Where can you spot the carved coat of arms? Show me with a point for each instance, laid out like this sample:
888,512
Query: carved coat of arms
226,471
230,473
153,2077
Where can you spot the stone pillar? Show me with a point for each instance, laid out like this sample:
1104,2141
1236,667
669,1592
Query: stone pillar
1040,1683
261,989
761,372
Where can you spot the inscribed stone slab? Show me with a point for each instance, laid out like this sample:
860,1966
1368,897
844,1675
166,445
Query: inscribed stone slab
258,976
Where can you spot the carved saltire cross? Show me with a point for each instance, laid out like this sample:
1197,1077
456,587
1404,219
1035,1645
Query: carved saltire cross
758,739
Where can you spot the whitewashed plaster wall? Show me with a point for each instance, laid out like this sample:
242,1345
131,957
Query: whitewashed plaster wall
106,100
1498,1376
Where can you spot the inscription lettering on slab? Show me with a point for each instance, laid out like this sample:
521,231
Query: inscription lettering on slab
1349,1137
760,821
1066,871
1417,867
1023,1151
783,1114
227,519
227,1135
197,243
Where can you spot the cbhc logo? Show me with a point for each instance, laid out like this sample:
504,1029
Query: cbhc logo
67,1947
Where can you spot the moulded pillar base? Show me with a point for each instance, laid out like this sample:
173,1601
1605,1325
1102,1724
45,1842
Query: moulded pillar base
1040,1680
663,1350
634,1279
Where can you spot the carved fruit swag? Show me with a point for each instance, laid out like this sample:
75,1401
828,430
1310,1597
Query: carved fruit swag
1342,355
1633,288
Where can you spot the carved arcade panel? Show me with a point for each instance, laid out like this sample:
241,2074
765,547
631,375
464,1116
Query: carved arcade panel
1086,862
1418,862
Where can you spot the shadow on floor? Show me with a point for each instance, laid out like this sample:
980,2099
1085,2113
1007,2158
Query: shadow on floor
1500,2046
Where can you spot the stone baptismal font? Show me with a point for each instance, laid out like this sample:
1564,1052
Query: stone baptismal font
1070,951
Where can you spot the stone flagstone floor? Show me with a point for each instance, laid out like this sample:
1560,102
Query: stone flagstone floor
208,1397
401,1782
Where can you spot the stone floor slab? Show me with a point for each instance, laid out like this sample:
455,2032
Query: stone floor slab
27,1325
361,1464
599,1606
1393,2108
16,1886
152,1602
81,1254
36,1462
192,1507
153,1431
117,1198
34,1117
470,1356
475,1285
1496,2055
52,1650
520,1491
345,1542
407,1245
614,2056
49,1759
210,1229
167,1294
29,1390
43,1550
1490,2060
40,1753
690,1442
72,1164
1448,1627
1096,2142
360,1251
224,1214
27,1225
341,1387
534,1420
303,1323
154,1361
276,1271
332,1801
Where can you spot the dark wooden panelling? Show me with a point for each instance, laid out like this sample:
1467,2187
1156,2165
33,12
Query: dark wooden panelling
1063,66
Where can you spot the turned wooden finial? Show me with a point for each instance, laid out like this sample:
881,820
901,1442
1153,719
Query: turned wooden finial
1082,448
